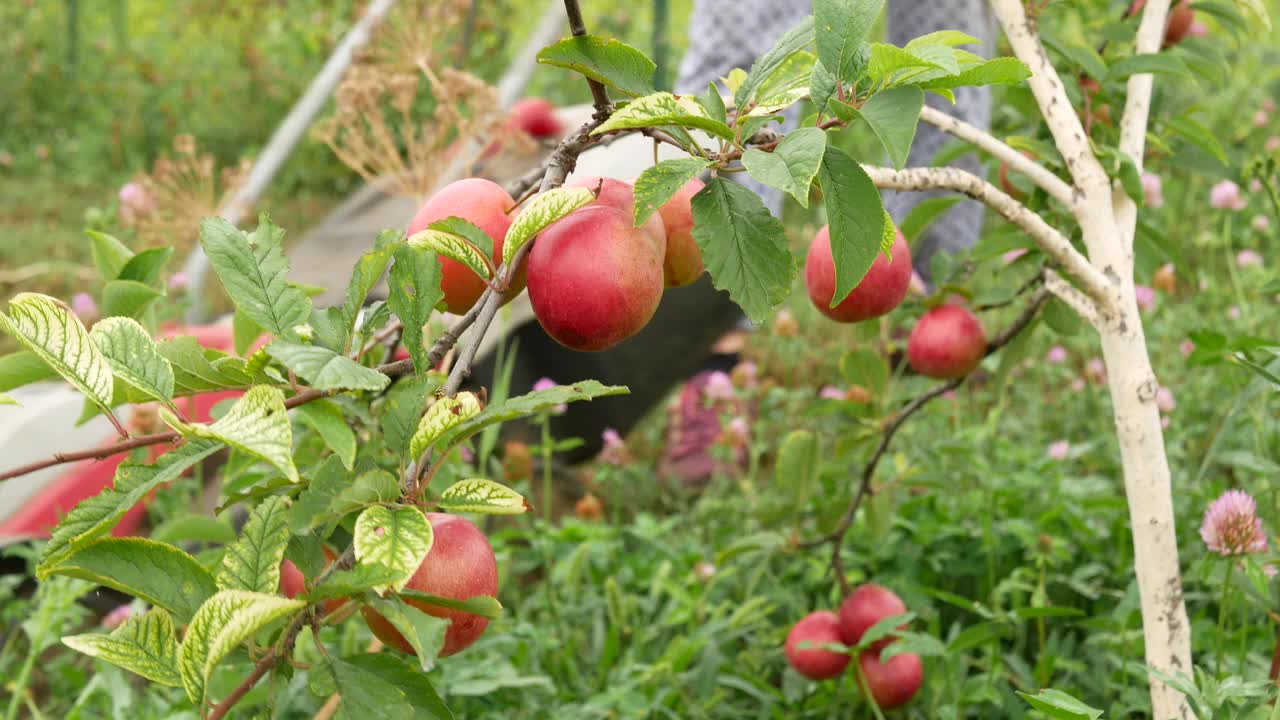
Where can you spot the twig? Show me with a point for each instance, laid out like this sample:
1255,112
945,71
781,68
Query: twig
836,536
599,96
262,667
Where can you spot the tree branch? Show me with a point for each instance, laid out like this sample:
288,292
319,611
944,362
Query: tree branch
1076,300
983,140
599,96
1137,109
1054,243
262,667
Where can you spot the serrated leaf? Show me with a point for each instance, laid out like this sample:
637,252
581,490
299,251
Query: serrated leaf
222,623
253,562
883,628
256,424
540,212
253,269
327,420
401,411
53,333
892,115
661,109
787,85
743,246
146,645
384,686
368,270
146,266
604,60
655,186
158,573
133,356
855,217
792,165
713,101
440,416
947,38
1060,706
486,606
840,27
324,369
197,369
397,538
454,247
887,60
424,633
94,517
413,293
478,495
793,40
127,298
23,368
345,583
524,406
822,87
109,254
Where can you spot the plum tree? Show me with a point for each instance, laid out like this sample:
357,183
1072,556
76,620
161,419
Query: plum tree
683,262
487,206
820,626
947,342
537,117
594,279
892,684
880,291
867,605
460,565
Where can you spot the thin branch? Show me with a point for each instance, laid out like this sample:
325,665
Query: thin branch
262,667
836,536
1137,110
1076,300
983,140
1054,243
599,96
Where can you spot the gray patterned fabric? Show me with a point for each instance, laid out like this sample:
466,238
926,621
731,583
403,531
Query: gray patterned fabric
724,34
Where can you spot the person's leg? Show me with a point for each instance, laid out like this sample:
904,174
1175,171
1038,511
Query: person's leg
959,228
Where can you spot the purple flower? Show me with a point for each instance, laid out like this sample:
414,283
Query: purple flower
744,375
1272,144
1058,450
1011,255
704,570
1197,29
1233,312
738,432
1096,370
1056,355
117,617
1152,190
547,383
1145,296
84,307
1255,185
1249,258
831,392
1231,525
1226,196
1261,223
1261,119
1164,400
720,386
615,449
178,282
1077,384
1186,348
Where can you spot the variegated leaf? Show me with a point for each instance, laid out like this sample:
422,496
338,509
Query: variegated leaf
221,624
256,424
397,538
541,211
479,495
442,415
253,562
454,247
49,329
146,645
133,356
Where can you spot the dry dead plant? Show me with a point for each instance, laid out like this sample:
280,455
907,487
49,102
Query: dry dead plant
180,190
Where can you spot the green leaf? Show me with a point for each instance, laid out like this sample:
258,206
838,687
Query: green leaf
346,583
486,606
192,527
327,420
655,186
146,645
401,410
368,270
455,247
1198,135
915,643
713,101
133,356
1086,58
790,42
855,216
109,254
841,26
887,60
403,679
23,368
797,465
127,298
49,329
146,266
525,405
866,368
661,109
197,369
885,627
160,574
397,538
324,369
788,85
744,247
893,114
479,495
822,87
1161,63
947,38
413,293
222,624
604,60
253,269
544,209
256,424
924,213
94,517
1060,706
792,165
8,400
424,633
253,562
440,416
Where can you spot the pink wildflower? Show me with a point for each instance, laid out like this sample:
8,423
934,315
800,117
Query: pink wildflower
1146,297
1226,196
1249,258
1231,525
1152,190
1059,449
